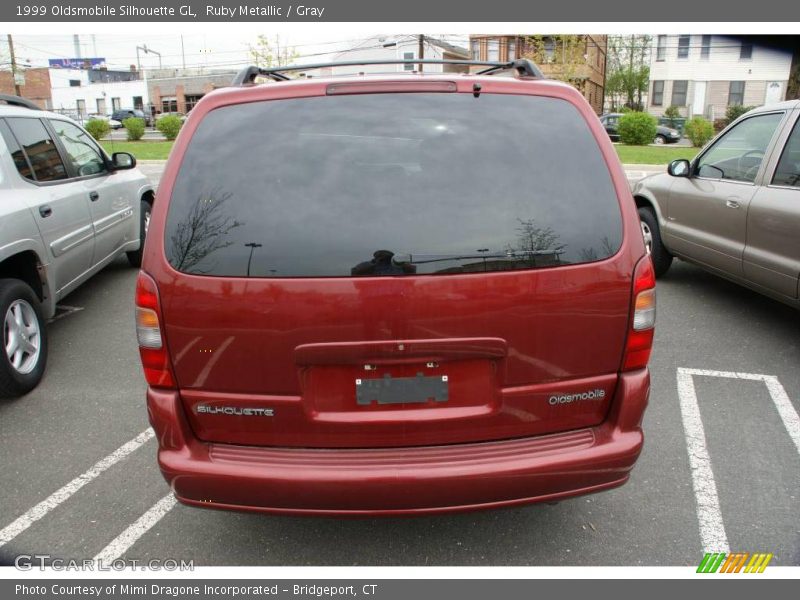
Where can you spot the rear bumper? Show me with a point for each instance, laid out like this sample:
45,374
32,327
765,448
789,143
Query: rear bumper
391,481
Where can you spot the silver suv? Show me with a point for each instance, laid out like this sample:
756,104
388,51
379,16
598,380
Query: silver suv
67,209
735,208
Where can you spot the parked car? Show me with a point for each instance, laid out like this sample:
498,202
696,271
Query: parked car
114,124
181,116
735,208
394,294
68,210
664,135
125,113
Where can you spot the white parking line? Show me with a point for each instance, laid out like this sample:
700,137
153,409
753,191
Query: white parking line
62,310
712,529
22,523
127,538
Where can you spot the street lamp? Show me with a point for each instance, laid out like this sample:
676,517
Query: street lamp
252,246
146,50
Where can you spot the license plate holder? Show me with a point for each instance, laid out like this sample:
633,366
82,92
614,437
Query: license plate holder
402,390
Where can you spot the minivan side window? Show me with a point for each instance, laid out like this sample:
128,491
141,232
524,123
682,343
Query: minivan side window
737,155
39,148
788,171
82,152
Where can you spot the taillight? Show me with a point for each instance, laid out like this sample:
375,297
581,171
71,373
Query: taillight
155,360
643,320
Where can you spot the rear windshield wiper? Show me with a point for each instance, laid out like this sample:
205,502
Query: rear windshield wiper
421,259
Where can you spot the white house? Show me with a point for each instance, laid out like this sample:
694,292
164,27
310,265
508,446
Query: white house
81,92
704,74
399,47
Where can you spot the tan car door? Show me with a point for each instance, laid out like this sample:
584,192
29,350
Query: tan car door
772,253
707,212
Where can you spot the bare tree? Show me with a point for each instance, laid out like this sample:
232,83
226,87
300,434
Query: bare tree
202,232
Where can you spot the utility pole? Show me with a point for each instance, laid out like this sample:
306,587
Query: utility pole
13,65
421,50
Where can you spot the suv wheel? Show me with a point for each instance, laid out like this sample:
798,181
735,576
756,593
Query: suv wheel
660,139
24,339
135,257
662,259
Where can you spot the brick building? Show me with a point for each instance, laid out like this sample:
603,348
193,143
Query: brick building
577,59
179,91
37,86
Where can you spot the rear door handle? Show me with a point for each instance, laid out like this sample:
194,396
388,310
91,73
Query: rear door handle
45,211
731,204
93,196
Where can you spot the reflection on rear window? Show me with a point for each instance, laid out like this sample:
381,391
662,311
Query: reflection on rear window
391,184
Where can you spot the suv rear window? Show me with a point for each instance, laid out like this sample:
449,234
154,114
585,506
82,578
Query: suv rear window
391,184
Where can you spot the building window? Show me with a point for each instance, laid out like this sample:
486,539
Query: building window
512,50
115,104
683,46
661,48
658,93
191,100
138,103
493,50
736,93
101,106
169,104
705,49
74,83
475,46
746,52
679,89
408,56
81,108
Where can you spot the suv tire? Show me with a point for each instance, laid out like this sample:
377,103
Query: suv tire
660,139
135,257
662,259
24,352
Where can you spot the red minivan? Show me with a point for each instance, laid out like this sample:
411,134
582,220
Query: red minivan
394,294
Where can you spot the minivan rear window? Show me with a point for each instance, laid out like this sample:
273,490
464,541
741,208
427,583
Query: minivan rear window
391,184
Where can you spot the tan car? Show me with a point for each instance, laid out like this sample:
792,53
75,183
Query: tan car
735,209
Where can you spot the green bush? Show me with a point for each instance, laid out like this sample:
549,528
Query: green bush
699,131
672,113
637,129
97,128
169,126
734,112
134,126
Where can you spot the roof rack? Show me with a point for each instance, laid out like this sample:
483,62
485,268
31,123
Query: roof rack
18,101
523,67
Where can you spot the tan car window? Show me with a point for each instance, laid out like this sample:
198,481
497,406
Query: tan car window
738,154
81,150
788,171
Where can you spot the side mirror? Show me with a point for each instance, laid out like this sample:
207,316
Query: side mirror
679,168
123,160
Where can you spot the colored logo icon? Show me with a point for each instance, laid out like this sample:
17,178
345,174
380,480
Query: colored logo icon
738,562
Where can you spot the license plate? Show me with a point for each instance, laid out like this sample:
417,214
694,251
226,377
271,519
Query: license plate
402,390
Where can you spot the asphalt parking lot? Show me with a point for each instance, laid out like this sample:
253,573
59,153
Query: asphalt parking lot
719,470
